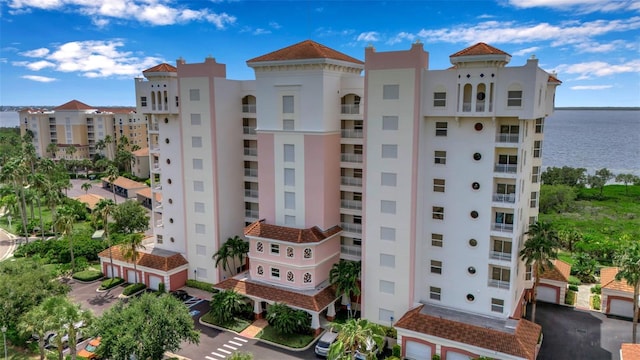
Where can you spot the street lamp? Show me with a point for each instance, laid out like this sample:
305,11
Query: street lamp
4,339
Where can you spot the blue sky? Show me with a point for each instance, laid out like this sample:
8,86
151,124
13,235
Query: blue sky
53,51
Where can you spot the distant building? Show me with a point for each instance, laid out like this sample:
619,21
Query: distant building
140,166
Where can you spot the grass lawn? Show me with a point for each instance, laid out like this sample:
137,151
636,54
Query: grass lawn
294,341
238,326
14,353
566,257
46,218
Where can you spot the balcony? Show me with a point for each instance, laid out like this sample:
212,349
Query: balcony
248,130
350,181
502,227
158,205
351,204
252,214
251,151
504,198
352,109
500,284
251,193
506,168
154,127
499,255
352,133
354,158
251,172
249,108
350,227
157,187
351,252
159,223
156,166
508,138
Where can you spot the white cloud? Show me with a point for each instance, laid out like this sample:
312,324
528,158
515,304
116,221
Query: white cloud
581,6
100,23
35,53
275,25
526,51
591,87
401,37
260,31
369,36
596,69
37,78
36,65
329,32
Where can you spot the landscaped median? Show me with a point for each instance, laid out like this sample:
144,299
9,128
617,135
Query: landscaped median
110,283
88,276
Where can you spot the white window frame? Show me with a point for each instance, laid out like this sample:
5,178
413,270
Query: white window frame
437,240
439,99
436,267
497,305
274,249
440,157
439,185
437,212
442,128
274,270
435,293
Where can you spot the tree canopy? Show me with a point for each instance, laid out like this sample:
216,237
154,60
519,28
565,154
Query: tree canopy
130,217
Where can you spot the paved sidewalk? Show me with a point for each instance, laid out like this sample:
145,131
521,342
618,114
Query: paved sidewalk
254,329
584,294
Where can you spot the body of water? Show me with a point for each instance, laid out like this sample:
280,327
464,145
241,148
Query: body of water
592,139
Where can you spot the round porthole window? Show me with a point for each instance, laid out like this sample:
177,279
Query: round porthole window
471,270
172,239
171,220
478,126
475,186
168,161
170,201
166,140
166,120
474,214
169,181
473,242
470,297
481,96
477,156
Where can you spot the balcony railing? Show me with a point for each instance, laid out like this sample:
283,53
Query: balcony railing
502,227
249,130
154,127
350,227
506,168
351,250
248,108
350,109
355,158
350,181
352,133
508,198
351,204
251,151
251,193
249,172
508,138
499,255
158,205
500,284
466,107
253,214
157,187
159,223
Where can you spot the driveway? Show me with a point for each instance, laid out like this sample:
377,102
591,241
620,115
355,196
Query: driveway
580,334
87,296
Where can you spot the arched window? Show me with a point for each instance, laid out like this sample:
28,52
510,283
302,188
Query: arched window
466,98
307,278
259,247
260,270
289,252
290,277
308,253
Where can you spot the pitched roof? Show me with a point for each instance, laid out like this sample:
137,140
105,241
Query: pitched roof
153,258
164,67
559,272
315,302
141,152
553,79
479,49
307,49
91,200
288,234
146,192
74,105
125,183
608,280
630,352
521,343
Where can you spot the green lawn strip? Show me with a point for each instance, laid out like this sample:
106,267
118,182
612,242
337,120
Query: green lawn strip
296,341
566,257
237,326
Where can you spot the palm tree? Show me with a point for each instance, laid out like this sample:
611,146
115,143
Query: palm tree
133,242
222,256
628,262
67,314
86,186
238,248
52,148
37,322
112,174
539,249
359,335
64,224
344,275
101,145
226,305
15,172
108,140
104,208
71,150
40,182
286,320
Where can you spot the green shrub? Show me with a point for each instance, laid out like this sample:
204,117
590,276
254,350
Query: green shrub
110,283
595,302
391,332
573,287
435,357
161,288
201,285
570,297
574,280
133,288
396,350
596,289
87,275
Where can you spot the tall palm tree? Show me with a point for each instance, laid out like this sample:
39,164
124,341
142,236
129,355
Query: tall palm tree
112,174
356,335
52,148
37,321
540,248
86,186
40,182
627,259
344,275
222,256
64,224
104,208
238,248
132,243
108,140
15,173
71,150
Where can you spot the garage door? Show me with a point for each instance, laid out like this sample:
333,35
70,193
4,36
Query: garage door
547,294
154,282
457,356
131,276
417,351
110,271
622,308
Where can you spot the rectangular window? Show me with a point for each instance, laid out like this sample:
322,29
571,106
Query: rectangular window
500,277
143,101
200,229
533,203
390,92
201,273
198,207
194,94
196,141
198,186
389,151
497,305
501,249
387,260
288,124
537,149
387,207
436,267
385,316
389,123
528,269
539,126
438,185
535,174
441,129
201,250
440,157
388,179
387,287
275,273
289,220
196,119
387,233
289,153
438,212
275,249
287,104
514,98
289,200
439,99
197,164
436,240
290,177
159,239
435,293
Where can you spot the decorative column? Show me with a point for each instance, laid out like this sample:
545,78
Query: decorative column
257,309
331,311
315,323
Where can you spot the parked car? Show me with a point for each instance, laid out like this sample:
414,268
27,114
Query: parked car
52,340
89,350
180,295
322,347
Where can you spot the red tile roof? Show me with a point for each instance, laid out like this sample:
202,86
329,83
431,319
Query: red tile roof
146,192
164,67
608,280
559,272
521,343
125,183
553,79
630,352
160,260
315,302
91,200
283,233
479,49
142,152
74,105
307,49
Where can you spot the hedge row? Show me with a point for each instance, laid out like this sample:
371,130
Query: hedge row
133,288
88,275
110,283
